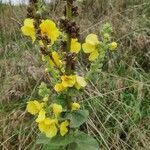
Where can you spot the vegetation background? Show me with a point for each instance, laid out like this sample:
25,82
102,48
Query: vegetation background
118,97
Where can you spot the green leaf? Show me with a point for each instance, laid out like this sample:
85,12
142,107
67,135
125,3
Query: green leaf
85,142
60,99
56,141
77,118
74,141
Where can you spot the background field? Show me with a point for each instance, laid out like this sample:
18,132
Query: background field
118,98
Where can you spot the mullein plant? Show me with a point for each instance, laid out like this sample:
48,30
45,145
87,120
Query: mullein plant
58,112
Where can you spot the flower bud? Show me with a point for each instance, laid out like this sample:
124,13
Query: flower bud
113,46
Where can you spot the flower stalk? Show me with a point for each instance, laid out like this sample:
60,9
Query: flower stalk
62,115
68,16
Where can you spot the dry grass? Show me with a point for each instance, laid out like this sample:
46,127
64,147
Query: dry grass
118,97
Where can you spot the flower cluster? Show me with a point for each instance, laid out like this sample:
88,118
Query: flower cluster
48,117
47,29
70,81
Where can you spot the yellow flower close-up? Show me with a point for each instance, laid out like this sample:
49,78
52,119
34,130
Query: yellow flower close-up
49,127
34,107
75,46
59,87
113,46
28,29
57,109
75,106
41,115
64,128
90,46
80,82
68,81
48,28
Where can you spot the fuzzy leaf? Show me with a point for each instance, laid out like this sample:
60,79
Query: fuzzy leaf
77,118
56,141
85,142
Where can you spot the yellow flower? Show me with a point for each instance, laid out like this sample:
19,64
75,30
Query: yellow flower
48,126
75,46
59,87
57,109
68,81
64,128
80,82
90,46
41,116
34,107
28,28
93,55
48,27
113,46
56,59
75,106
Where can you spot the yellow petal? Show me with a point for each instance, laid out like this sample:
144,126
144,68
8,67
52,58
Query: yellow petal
64,128
92,39
42,127
28,22
48,27
48,126
88,48
68,81
48,121
59,87
28,29
41,116
94,55
34,107
28,32
75,46
53,35
57,109
52,131
80,82
75,106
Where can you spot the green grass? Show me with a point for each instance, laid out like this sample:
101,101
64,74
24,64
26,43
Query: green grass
118,97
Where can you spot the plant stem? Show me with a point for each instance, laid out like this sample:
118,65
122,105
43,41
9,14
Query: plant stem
69,17
68,67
